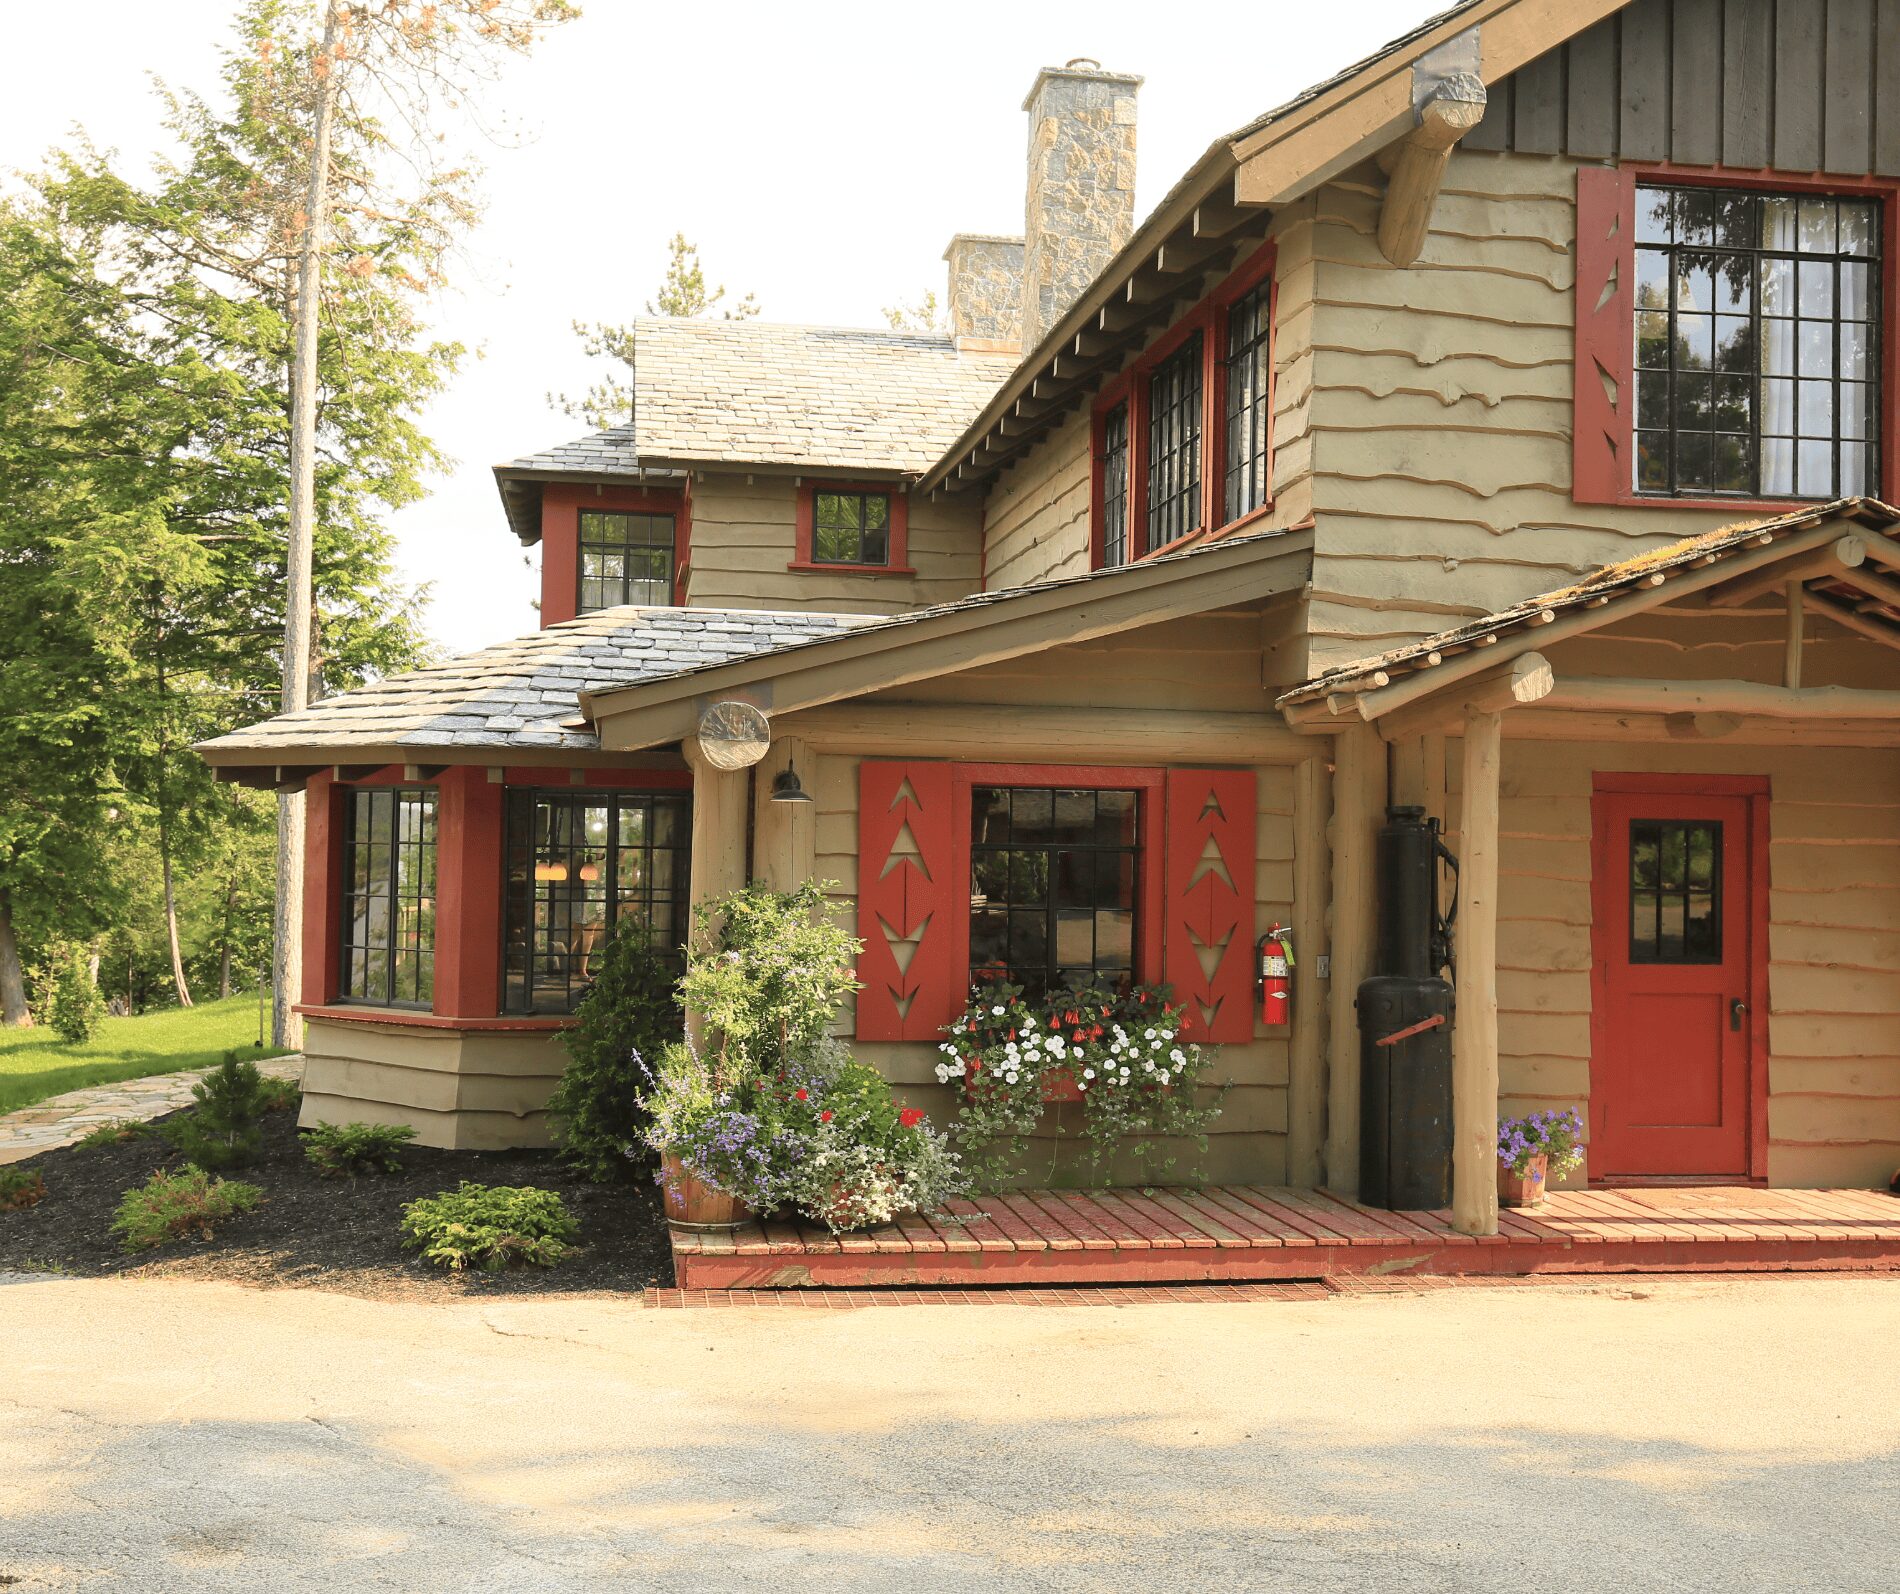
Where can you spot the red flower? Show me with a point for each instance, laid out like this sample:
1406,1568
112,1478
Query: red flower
910,1117
800,1093
1012,1034
1095,1034
825,1116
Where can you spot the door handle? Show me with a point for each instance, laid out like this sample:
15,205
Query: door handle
1737,1010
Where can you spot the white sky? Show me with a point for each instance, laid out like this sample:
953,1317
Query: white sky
753,129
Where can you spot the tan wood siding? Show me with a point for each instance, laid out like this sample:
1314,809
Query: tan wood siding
1834,942
1441,411
743,539
1803,85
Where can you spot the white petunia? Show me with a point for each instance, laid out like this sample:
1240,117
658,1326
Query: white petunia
996,1012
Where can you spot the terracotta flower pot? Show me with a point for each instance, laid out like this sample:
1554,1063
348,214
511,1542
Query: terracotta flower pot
694,1204
1524,1189
1060,1084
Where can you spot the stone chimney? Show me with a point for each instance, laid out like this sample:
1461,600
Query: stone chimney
1081,200
986,290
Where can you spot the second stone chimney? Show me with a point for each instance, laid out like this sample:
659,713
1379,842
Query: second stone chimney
986,290
1080,205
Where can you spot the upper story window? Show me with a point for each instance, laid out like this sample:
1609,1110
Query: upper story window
389,897
1114,466
1249,418
577,863
1756,343
851,528
1183,438
625,558
1174,445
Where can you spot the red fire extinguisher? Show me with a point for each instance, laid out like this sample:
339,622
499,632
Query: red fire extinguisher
1276,983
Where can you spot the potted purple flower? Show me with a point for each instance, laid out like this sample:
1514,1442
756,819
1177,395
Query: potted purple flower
1531,1149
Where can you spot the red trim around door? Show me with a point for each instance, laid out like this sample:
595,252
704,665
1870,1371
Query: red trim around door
1607,902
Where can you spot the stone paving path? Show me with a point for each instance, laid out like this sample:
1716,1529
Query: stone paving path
60,1120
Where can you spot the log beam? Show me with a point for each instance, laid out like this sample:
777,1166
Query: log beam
1863,624
1846,553
1474,1036
1791,647
1528,678
1077,735
1306,1042
1608,695
1880,587
1412,191
1359,787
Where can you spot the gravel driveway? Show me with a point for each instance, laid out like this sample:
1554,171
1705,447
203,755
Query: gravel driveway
1621,1435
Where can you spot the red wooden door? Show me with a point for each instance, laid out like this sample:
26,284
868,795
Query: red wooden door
1671,1081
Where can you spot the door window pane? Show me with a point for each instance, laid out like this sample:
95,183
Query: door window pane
1675,875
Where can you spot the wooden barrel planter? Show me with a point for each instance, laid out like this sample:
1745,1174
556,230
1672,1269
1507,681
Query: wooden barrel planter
693,1204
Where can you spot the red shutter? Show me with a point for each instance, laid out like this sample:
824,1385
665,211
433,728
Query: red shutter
1605,399
908,895
1207,935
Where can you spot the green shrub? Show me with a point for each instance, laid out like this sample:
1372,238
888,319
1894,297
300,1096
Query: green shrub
281,1095
223,1131
489,1227
115,1133
169,1206
78,1006
625,1021
342,1151
19,1188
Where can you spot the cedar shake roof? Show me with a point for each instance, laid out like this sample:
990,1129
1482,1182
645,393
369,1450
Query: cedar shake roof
1610,588
524,693
749,392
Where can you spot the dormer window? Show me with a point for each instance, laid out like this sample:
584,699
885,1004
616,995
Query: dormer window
852,528
625,558
1174,445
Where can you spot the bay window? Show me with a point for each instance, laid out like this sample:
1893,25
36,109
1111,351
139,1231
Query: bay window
578,863
388,907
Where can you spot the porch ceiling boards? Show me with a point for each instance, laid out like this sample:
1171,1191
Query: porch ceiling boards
1268,1232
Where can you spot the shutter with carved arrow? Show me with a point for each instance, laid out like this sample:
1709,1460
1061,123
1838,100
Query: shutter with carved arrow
1207,935
1603,392
908,896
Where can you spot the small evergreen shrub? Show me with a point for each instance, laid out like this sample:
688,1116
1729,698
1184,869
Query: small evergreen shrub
20,1188
223,1131
630,1014
342,1151
169,1206
115,1133
281,1095
490,1227
78,1006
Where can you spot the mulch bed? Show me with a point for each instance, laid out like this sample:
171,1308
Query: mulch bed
335,1234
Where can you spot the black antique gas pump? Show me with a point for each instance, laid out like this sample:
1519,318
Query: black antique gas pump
1405,1012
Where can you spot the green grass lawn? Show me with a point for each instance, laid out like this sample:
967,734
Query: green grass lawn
35,1063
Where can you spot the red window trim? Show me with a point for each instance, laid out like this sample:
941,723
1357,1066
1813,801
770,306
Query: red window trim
561,506
1208,317
1591,481
1149,785
896,544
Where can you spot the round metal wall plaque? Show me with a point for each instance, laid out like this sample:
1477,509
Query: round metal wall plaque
734,735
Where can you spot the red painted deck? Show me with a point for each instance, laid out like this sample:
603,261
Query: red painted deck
1267,1232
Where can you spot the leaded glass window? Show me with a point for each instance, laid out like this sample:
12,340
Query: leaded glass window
851,528
389,897
1174,446
625,558
1115,486
577,863
1757,343
1053,878
1249,423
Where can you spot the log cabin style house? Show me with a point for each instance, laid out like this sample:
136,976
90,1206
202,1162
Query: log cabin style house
1504,427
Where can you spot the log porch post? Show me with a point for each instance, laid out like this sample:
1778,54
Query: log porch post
784,835
720,802
1474,1036
1359,789
1306,1044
